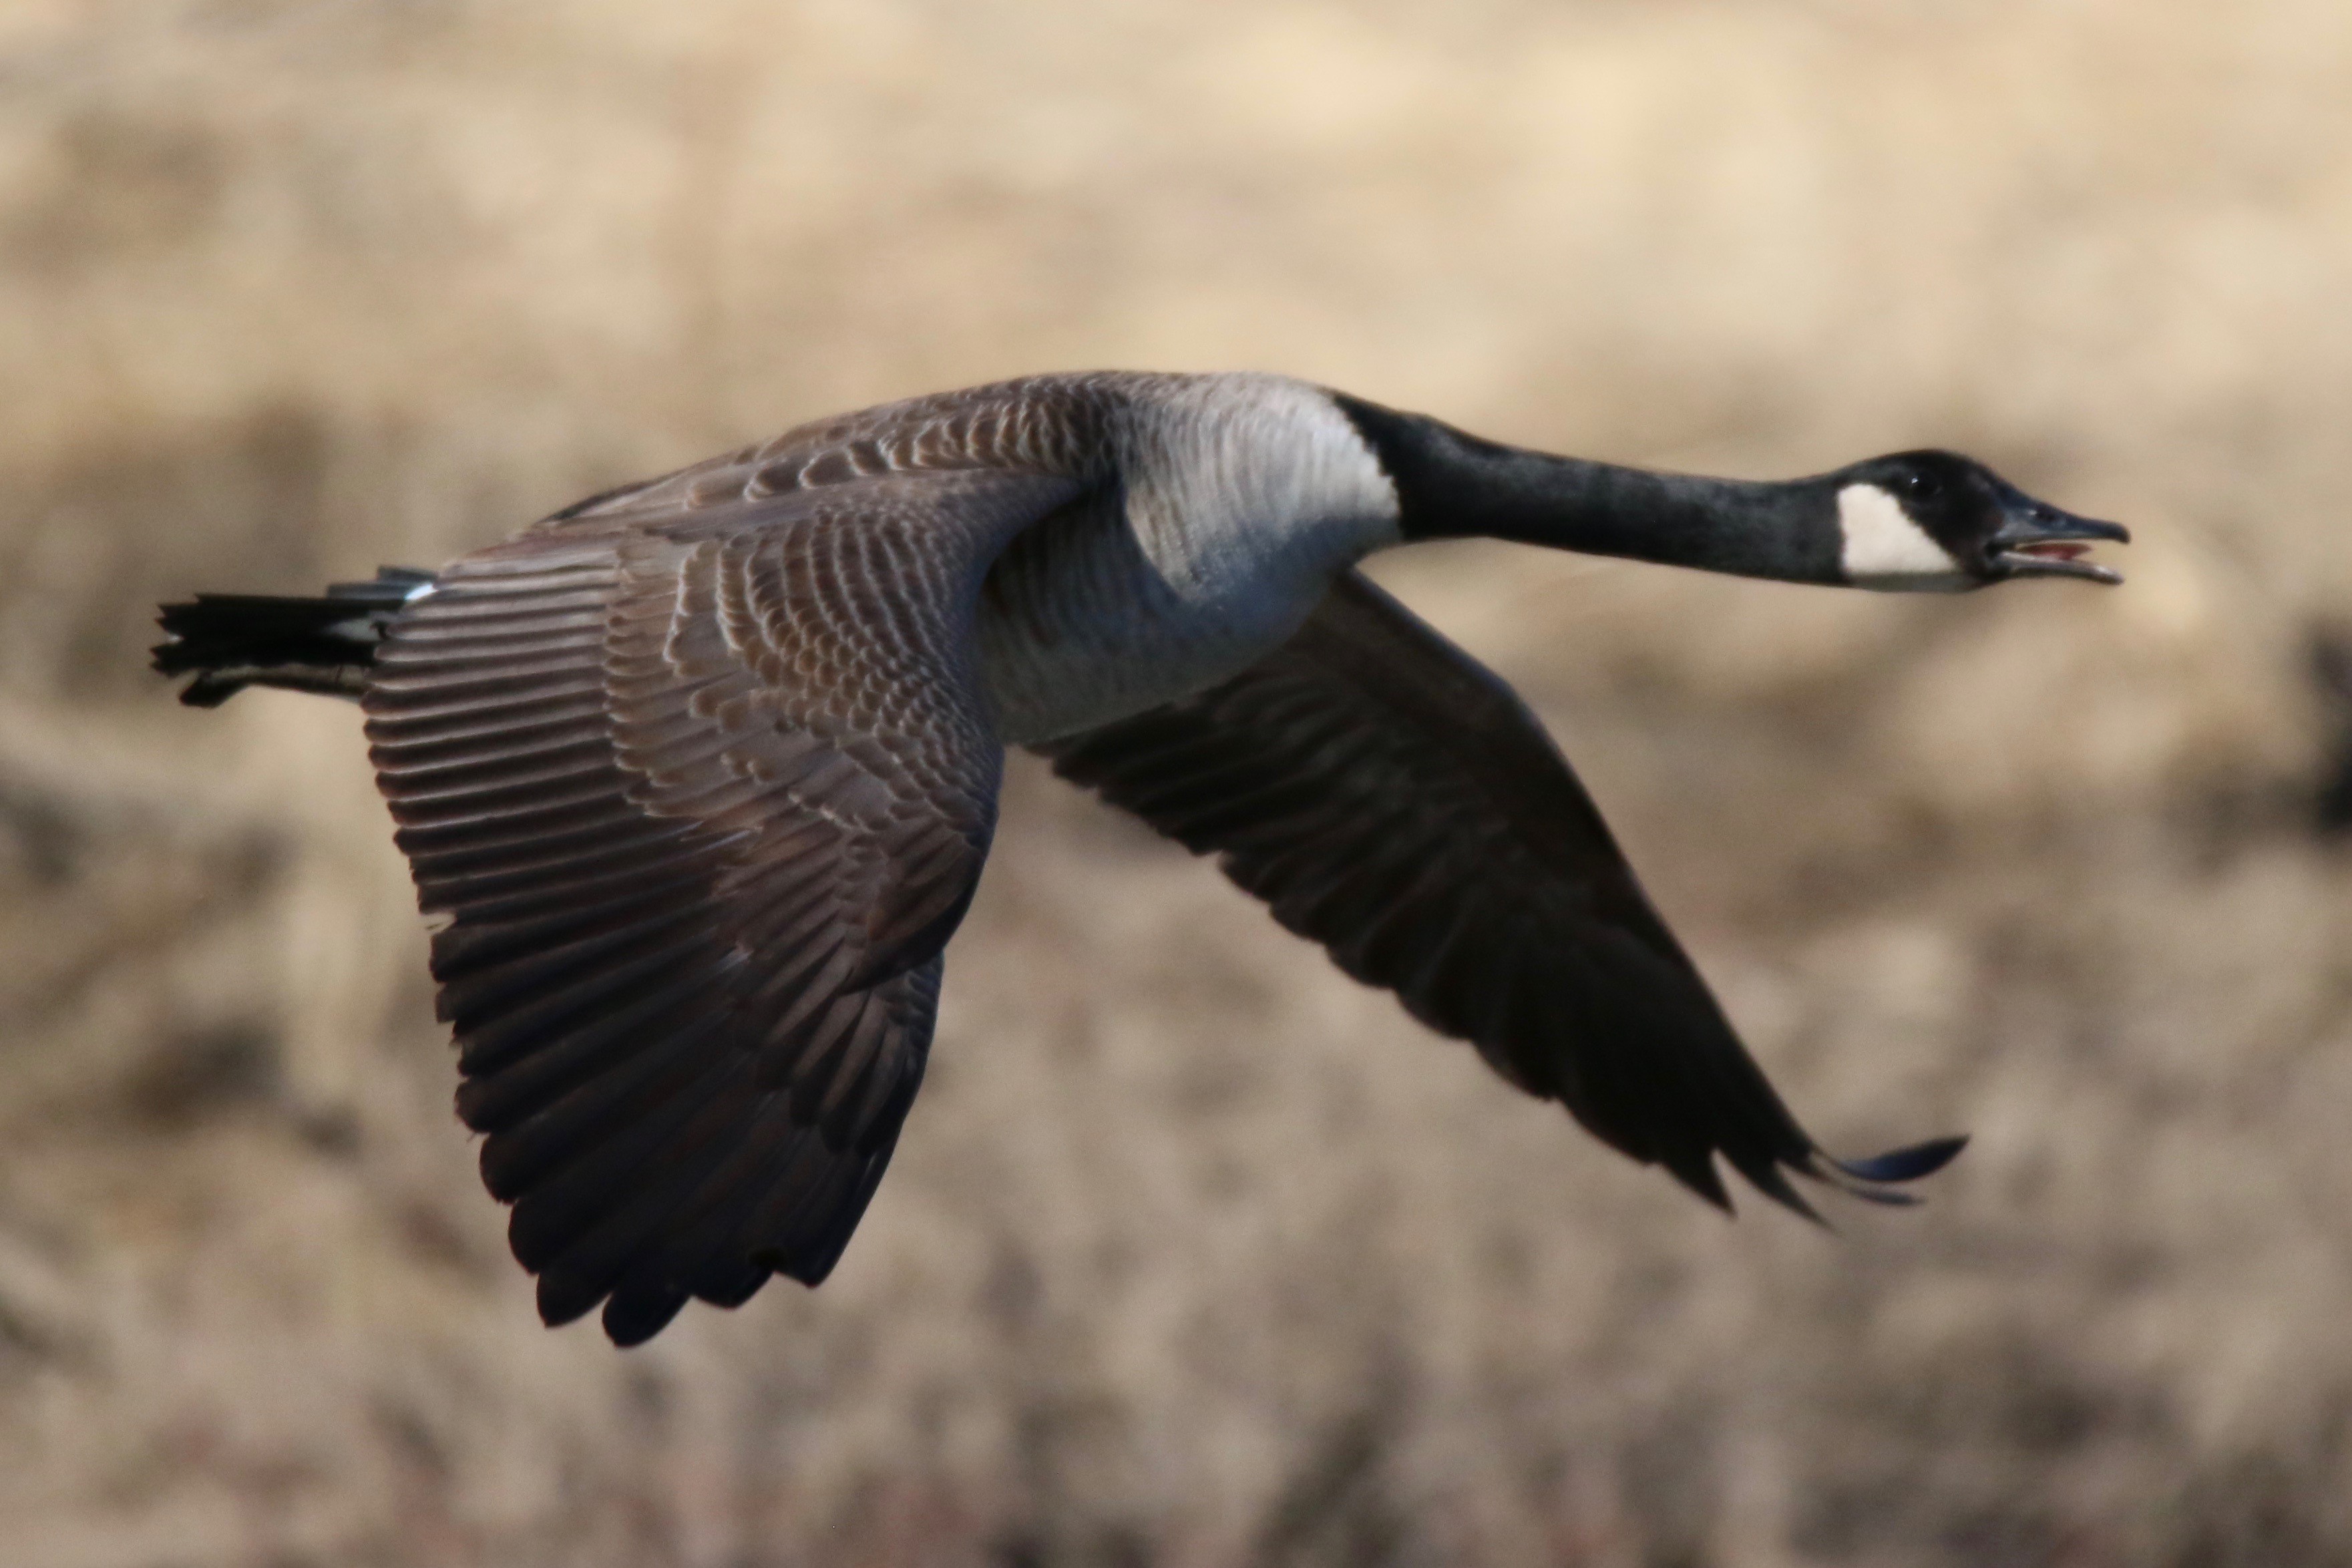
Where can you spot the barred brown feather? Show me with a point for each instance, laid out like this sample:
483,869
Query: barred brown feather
702,784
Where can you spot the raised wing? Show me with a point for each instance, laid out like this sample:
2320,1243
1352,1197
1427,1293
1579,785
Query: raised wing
1393,800
703,781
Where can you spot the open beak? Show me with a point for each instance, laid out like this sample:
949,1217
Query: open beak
2036,540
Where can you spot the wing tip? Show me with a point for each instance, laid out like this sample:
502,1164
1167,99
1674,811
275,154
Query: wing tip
633,1315
1907,1163
1695,1169
1872,1179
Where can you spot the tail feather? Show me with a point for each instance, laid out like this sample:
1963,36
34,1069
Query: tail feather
231,641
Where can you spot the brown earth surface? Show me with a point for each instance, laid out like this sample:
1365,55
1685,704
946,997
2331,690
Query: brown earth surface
1195,1253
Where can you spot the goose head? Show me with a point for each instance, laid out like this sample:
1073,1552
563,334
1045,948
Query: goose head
1938,522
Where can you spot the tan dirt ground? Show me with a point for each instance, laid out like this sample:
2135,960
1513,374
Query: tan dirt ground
1195,1253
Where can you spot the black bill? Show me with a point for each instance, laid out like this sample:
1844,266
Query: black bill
2037,539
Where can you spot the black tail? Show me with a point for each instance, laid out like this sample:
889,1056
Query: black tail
235,640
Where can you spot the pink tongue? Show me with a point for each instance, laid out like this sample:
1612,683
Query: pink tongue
2059,550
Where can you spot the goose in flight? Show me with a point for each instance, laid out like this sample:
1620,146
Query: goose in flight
698,773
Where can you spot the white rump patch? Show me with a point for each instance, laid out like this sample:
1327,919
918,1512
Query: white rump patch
1885,549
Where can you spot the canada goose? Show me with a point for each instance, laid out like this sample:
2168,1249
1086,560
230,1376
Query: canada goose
700,772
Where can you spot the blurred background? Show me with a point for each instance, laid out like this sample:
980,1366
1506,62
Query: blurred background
1195,1253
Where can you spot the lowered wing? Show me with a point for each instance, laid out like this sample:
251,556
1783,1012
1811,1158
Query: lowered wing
1393,800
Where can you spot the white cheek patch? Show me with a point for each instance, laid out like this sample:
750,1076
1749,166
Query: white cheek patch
1883,548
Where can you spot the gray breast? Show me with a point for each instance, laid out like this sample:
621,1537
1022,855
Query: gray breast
1236,498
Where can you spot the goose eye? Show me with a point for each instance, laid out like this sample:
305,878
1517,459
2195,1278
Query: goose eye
1920,486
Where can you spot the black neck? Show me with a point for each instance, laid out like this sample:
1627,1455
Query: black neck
1451,485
